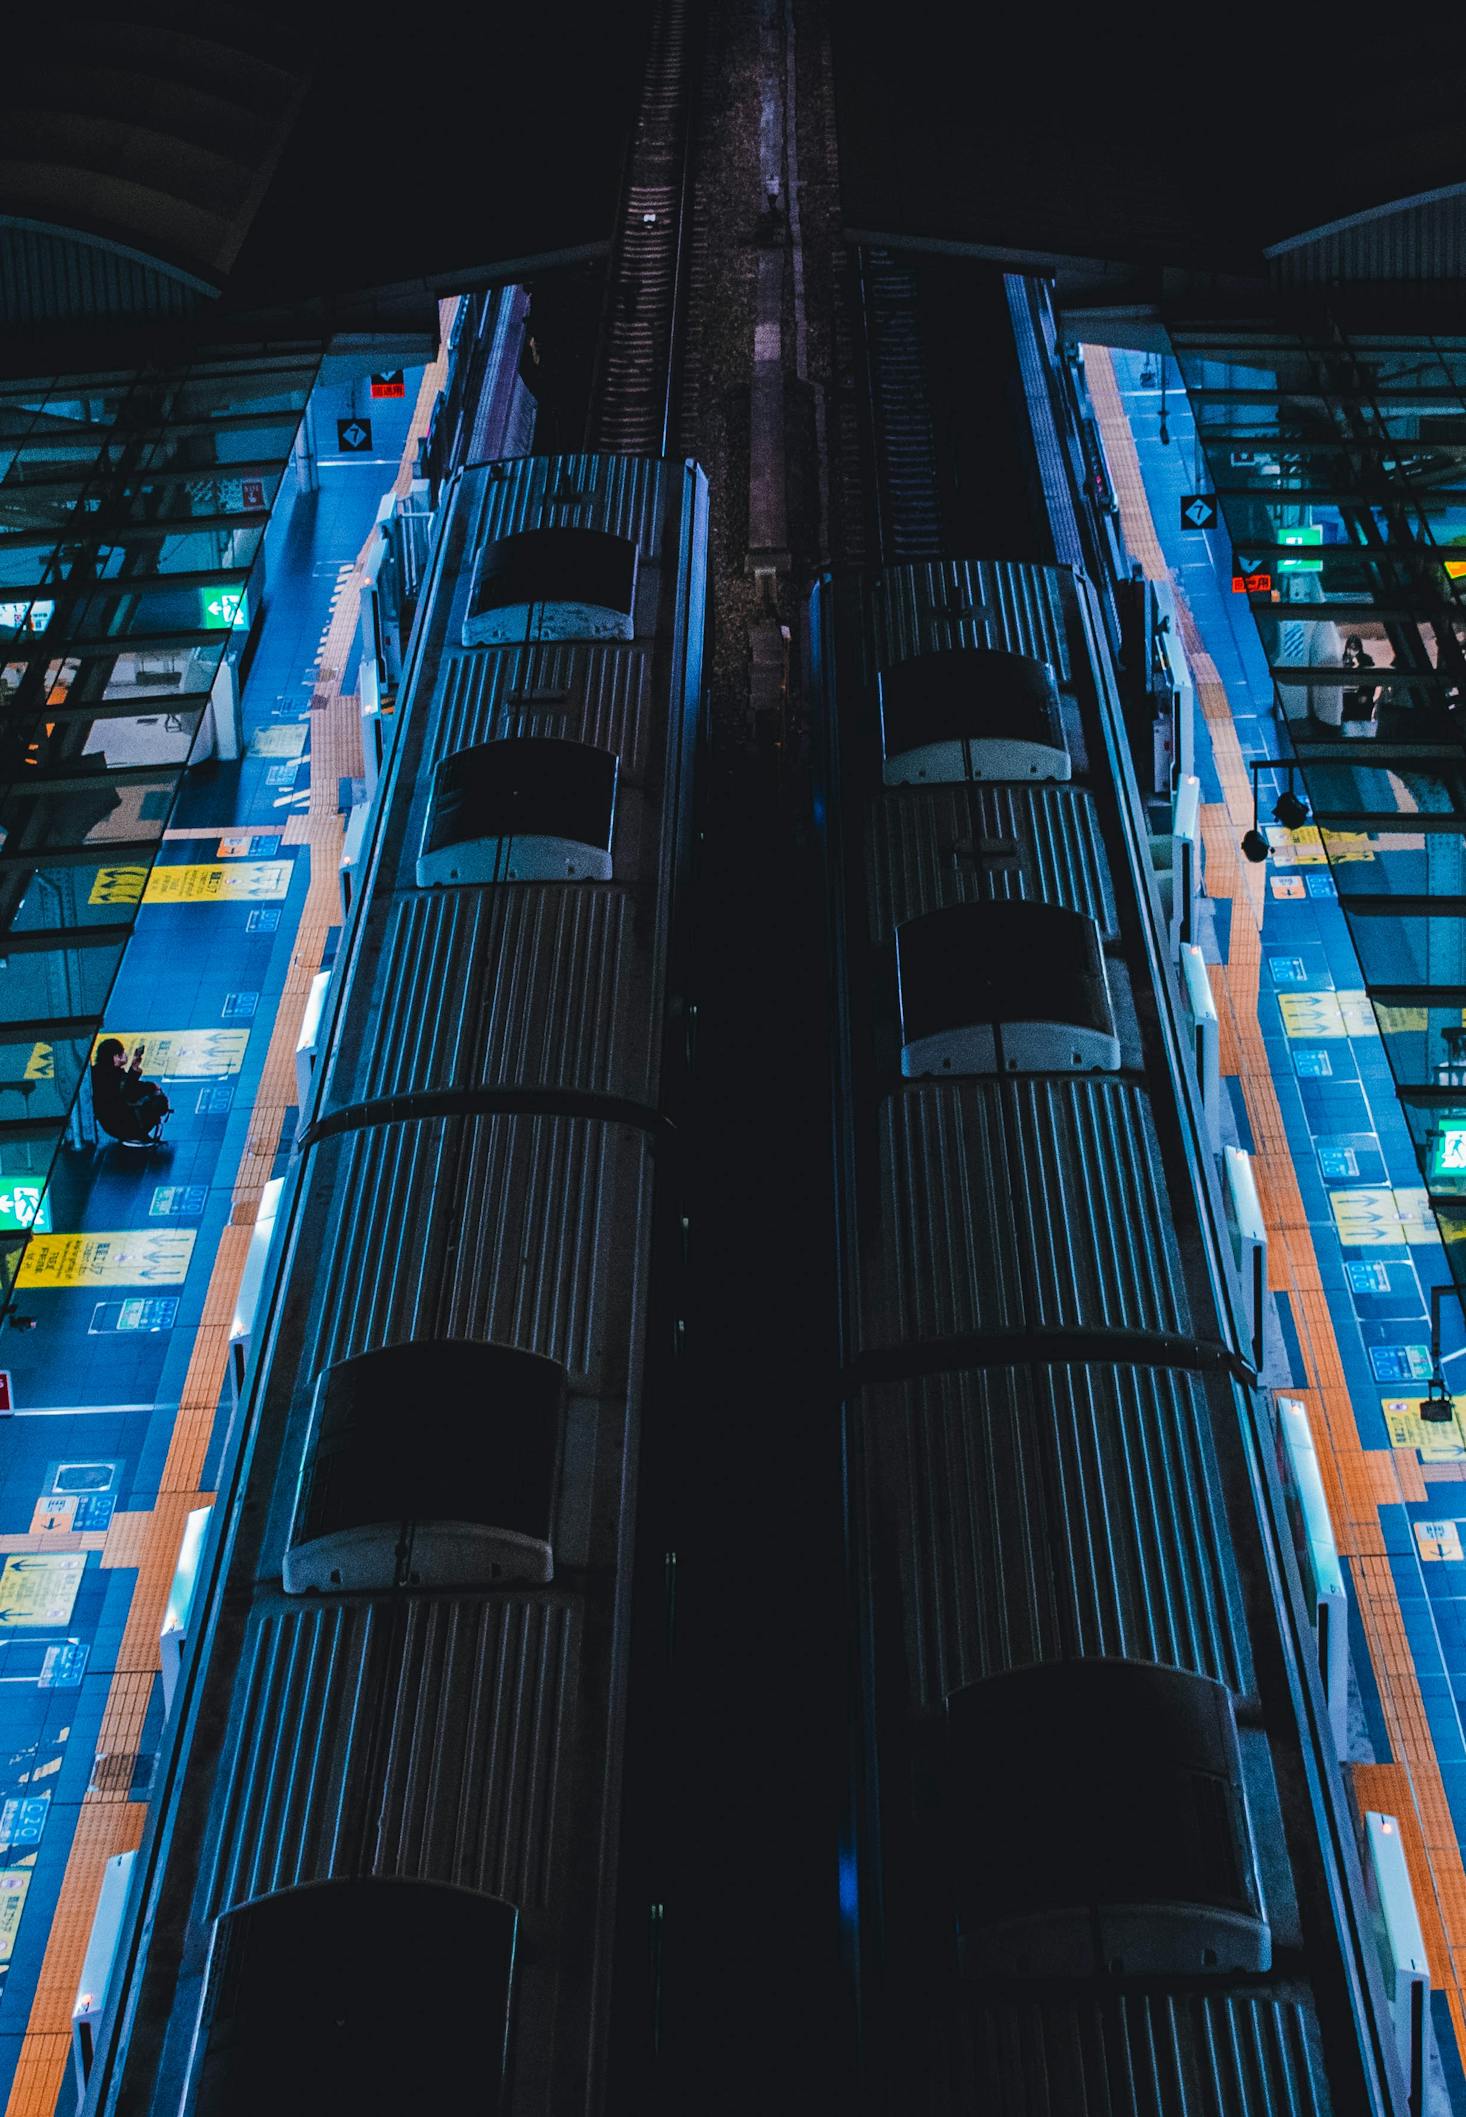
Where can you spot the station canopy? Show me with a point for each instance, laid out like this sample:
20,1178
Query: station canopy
277,168
1119,149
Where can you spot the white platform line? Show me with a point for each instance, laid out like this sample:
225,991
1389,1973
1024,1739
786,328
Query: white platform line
74,1411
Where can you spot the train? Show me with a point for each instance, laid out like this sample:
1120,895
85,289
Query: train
381,1870
1096,1856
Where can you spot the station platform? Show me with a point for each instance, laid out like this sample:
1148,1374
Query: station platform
1352,1244
127,1294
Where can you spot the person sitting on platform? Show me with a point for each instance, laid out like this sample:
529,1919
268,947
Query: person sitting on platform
127,1106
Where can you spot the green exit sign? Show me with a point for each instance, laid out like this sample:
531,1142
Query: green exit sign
24,1205
1448,1151
225,609
1310,533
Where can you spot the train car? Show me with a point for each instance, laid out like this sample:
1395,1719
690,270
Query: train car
382,1873
1098,1859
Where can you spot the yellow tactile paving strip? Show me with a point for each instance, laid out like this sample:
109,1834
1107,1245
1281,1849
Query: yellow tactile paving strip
1358,1481
109,1822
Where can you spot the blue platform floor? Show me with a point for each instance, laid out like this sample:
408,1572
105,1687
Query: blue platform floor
1377,1243
116,1289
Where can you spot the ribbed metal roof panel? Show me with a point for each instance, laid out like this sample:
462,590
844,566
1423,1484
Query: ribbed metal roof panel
1426,241
607,698
45,278
628,496
424,1740
1043,1513
155,134
912,868
972,603
1022,1205
1133,2054
505,987
526,1231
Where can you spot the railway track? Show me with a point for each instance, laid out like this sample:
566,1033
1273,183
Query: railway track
903,441
632,403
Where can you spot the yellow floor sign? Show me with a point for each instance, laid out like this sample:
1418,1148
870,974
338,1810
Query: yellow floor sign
1311,1015
1367,1219
39,1589
1439,1540
14,1882
284,739
1413,1207
1370,1219
54,1514
1327,1014
122,1257
239,881
184,1054
1437,1441
1305,848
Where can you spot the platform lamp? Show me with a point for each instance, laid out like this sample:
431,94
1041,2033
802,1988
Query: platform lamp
1290,809
1438,1409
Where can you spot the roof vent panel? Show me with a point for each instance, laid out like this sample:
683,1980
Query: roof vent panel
529,808
1099,1824
301,1973
434,1465
553,584
971,713
1006,987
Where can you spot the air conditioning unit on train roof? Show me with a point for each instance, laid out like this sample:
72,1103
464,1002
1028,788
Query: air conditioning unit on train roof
561,583
434,1464
1097,1823
527,808
1004,987
971,713
387,1992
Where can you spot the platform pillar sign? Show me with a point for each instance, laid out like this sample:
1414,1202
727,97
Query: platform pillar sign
354,436
389,385
1198,511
